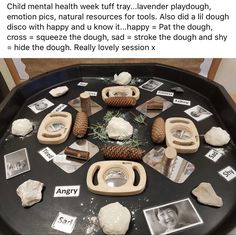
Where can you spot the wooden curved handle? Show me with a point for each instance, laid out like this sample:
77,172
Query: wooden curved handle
136,92
105,92
142,177
89,179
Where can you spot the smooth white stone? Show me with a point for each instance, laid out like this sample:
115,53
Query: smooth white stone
123,78
216,136
30,192
21,127
114,218
59,91
206,195
119,129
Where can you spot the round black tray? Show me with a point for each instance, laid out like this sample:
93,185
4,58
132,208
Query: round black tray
159,190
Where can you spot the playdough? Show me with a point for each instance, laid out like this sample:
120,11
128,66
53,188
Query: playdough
119,129
21,127
216,136
123,78
114,218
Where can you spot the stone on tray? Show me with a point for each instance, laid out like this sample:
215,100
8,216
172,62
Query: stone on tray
119,129
216,136
59,91
177,89
114,218
206,195
30,192
123,78
21,127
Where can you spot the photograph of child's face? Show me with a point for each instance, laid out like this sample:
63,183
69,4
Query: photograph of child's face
16,163
168,217
172,217
151,85
198,113
40,105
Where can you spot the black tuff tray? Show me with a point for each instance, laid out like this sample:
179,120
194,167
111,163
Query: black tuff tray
159,190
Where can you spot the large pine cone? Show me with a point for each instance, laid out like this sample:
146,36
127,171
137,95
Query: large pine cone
81,124
158,130
119,101
117,152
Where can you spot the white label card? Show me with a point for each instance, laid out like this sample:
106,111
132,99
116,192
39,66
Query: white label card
92,93
67,191
47,154
214,155
59,108
64,223
228,173
165,93
82,84
182,102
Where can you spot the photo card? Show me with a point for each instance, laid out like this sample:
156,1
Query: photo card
151,85
198,113
172,217
40,105
16,163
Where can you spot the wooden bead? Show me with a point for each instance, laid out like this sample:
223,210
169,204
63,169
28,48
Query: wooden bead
158,130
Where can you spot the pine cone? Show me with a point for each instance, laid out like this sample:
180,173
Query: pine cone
81,124
158,130
118,152
119,101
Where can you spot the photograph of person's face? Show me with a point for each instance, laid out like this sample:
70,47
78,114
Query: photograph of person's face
40,105
168,217
198,113
172,217
16,163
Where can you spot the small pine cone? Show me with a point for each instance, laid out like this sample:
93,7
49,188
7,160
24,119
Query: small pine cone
119,101
158,130
118,152
81,124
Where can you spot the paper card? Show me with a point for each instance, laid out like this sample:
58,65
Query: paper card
16,163
165,219
82,84
67,191
198,113
64,223
59,108
47,154
165,93
40,105
214,155
151,85
92,93
228,173
182,102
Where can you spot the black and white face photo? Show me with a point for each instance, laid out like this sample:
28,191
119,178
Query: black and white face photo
198,113
151,85
172,217
16,163
40,105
